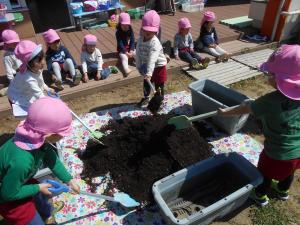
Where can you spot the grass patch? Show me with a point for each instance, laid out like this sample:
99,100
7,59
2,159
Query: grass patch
272,214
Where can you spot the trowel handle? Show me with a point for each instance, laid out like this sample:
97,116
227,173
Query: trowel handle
151,85
105,197
209,114
203,116
81,121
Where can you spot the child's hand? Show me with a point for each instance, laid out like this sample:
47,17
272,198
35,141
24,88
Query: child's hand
131,54
44,188
222,111
147,77
98,75
191,50
75,188
85,78
128,54
177,57
52,91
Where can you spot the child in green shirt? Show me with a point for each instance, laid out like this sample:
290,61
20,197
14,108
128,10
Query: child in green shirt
279,112
22,199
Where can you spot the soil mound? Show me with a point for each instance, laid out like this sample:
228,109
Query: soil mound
139,151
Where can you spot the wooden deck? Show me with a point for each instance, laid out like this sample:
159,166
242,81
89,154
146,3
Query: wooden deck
107,45
106,36
117,80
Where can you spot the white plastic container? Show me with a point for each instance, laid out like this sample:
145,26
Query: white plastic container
207,190
187,7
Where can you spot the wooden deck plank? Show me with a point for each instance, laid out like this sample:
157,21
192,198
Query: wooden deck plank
169,28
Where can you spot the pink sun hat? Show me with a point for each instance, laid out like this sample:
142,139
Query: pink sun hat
285,64
43,120
151,21
184,23
50,36
124,18
10,36
90,39
208,16
25,51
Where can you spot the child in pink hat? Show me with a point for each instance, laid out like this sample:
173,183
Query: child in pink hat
23,200
91,58
59,60
125,41
209,37
150,59
279,112
11,63
28,85
184,46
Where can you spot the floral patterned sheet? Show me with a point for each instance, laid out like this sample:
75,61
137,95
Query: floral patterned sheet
80,209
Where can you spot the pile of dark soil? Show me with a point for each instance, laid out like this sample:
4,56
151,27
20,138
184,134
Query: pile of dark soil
140,151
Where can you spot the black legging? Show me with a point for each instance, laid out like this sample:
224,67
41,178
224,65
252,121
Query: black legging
147,88
282,185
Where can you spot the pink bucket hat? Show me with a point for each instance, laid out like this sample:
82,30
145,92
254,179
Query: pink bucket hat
124,18
50,36
208,16
90,39
46,116
151,21
25,51
10,36
184,23
285,64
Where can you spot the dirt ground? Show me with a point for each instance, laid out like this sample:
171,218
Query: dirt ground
277,212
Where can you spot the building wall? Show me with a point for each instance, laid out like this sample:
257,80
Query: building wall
292,22
24,28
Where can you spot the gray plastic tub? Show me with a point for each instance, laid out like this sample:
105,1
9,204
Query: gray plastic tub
209,96
207,190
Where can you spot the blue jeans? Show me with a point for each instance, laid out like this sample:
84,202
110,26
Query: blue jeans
42,205
44,209
189,56
37,220
92,68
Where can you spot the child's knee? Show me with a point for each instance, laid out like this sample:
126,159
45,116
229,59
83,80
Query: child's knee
69,62
56,65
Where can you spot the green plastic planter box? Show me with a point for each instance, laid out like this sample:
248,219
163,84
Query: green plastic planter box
135,13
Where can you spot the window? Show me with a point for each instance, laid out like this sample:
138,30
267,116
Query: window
15,3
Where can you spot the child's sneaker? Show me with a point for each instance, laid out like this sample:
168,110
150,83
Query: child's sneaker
77,78
143,102
50,221
195,65
57,206
282,195
225,57
205,62
59,85
218,59
261,200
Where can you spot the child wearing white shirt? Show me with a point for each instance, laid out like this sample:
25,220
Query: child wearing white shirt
11,64
91,59
150,58
28,85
